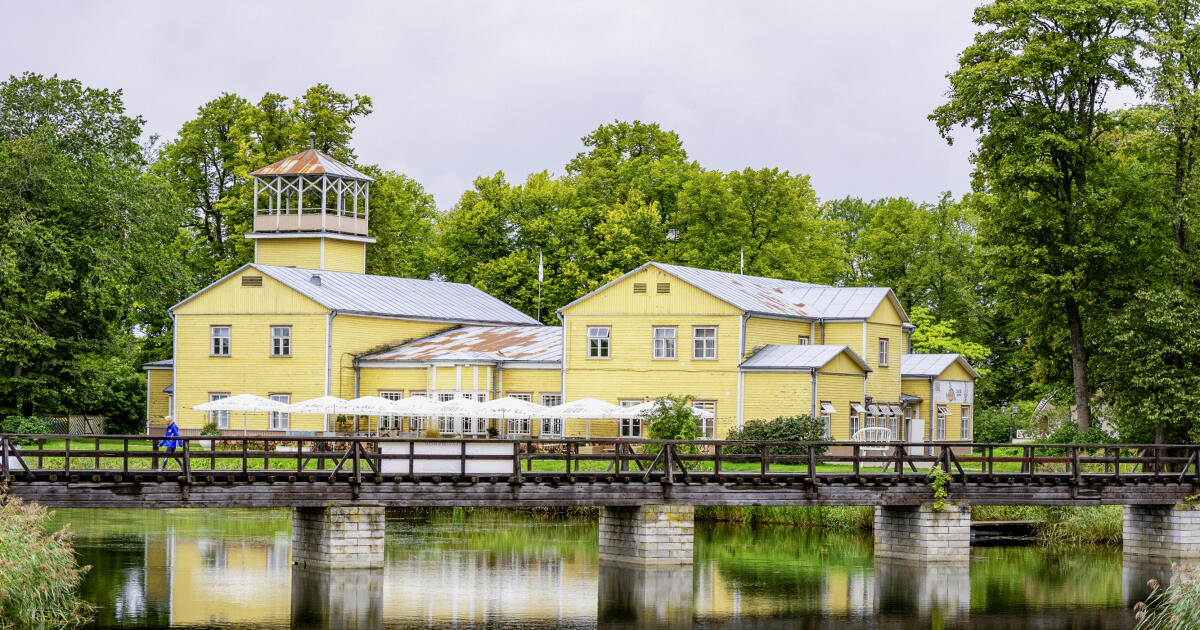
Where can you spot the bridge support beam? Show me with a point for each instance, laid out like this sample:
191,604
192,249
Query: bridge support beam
647,534
1167,531
923,534
338,536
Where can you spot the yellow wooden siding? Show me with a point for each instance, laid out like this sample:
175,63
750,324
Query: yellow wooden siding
839,390
683,298
158,404
884,381
956,372
843,364
249,368
597,428
302,252
886,313
761,331
770,395
919,388
353,335
345,256
231,297
843,334
535,382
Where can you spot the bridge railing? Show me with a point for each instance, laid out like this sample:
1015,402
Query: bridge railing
377,459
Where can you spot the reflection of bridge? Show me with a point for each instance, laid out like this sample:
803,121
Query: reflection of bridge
648,488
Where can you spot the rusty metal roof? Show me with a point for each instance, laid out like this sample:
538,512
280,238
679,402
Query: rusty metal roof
311,162
775,297
927,365
806,357
501,344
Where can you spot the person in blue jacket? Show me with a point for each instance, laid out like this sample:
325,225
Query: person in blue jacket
172,432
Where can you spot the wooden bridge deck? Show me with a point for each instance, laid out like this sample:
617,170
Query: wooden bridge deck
314,472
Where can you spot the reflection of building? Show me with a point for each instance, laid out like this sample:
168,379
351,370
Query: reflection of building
304,320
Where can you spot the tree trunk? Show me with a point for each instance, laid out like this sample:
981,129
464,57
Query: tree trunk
1079,364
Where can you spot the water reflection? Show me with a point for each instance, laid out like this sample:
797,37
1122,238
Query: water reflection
231,568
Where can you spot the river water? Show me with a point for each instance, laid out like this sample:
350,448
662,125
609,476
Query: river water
232,568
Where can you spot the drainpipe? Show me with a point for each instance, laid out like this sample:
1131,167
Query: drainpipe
821,321
741,376
562,384
329,359
814,392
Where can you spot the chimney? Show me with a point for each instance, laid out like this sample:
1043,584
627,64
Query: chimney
315,279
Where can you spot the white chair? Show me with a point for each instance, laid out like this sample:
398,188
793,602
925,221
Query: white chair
874,434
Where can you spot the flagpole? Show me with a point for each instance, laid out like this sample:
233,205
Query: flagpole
541,275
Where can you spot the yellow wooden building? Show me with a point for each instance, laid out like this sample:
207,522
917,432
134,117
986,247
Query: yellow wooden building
304,321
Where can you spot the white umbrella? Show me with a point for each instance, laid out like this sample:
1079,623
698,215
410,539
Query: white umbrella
324,404
458,407
371,406
647,408
586,408
508,408
415,406
244,403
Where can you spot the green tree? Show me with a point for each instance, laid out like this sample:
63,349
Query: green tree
932,336
673,419
1033,85
82,268
402,222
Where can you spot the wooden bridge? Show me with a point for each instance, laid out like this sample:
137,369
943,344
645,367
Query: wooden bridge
123,471
339,487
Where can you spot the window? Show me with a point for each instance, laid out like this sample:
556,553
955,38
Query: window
220,418
639,287
942,414
417,423
281,341
894,424
827,412
856,412
631,427
966,423
518,426
664,342
804,340
551,427
447,424
883,352
220,341
598,339
708,426
281,420
525,397
390,422
704,342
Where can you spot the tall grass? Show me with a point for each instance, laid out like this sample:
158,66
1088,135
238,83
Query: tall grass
1088,525
840,518
1176,607
39,578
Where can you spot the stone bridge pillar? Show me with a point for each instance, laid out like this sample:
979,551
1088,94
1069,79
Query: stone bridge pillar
647,534
338,536
1168,531
922,534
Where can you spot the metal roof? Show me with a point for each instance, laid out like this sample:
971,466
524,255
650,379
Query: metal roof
165,363
311,162
931,364
396,297
810,357
772,296
480,343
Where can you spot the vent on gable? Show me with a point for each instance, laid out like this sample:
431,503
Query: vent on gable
252,281
315,279
639,287
664,287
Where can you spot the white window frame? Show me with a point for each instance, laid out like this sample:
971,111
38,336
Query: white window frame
966,423
527,397
519,426
803,340
631,427
281,344
281,420
704,348
220,345
664,346
943,414
826,410
883,352
551,428
708,426
390,421
220,418
599,342
855,419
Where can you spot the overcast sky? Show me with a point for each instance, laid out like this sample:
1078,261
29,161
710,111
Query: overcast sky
839,90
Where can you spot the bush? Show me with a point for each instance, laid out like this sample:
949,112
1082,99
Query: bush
24,424
992,426
673,419
783,429
39,579
431,432
210,429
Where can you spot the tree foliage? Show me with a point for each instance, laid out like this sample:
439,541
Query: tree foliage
803,428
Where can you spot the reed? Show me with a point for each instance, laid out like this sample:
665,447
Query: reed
1174,607
840,518
39,578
